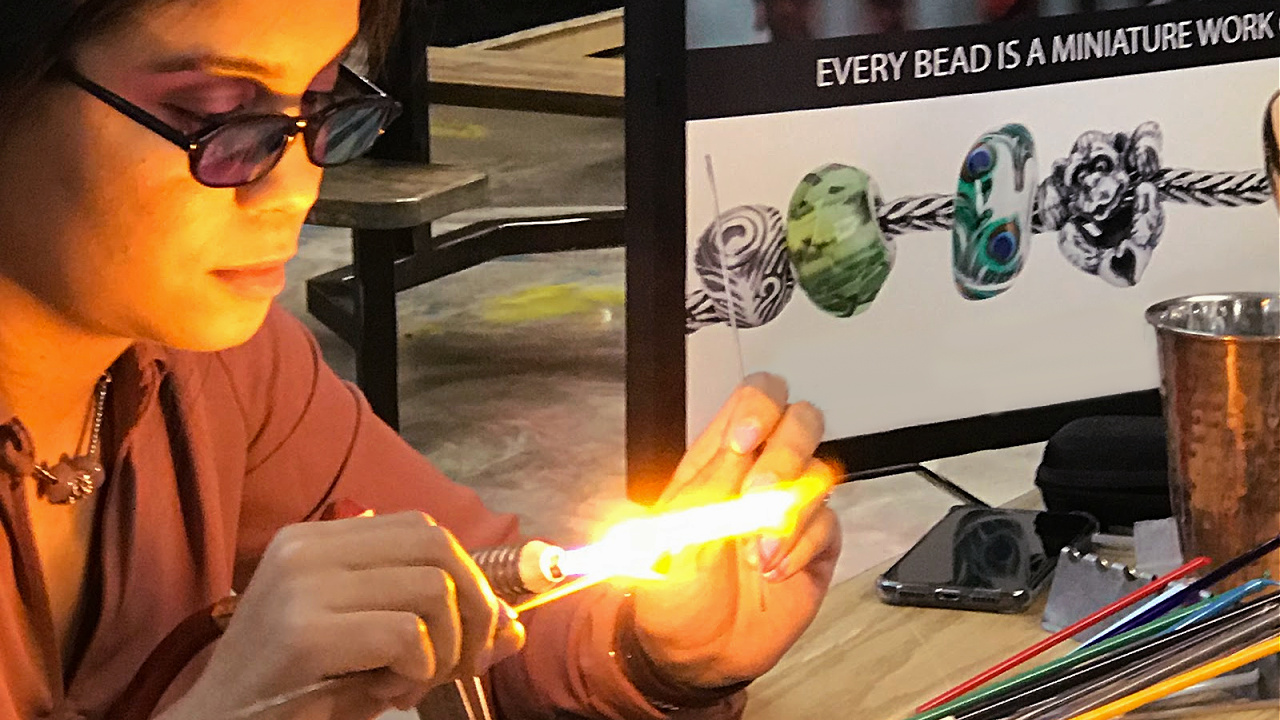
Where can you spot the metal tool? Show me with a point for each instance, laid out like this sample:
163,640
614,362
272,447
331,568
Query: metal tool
1083,583
730,296
513,571
731,300
516,571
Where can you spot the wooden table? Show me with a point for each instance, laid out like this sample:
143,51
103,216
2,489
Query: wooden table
569,68
864,660
389,195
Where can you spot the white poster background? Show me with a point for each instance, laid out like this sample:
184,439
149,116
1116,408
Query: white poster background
923,354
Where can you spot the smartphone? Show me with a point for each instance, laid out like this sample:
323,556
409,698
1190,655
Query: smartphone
986,559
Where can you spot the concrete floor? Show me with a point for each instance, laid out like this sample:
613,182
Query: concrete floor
512,372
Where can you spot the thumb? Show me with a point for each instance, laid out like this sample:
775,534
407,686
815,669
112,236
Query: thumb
508,640
386,688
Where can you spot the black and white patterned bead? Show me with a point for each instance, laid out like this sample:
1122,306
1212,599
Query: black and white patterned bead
755,262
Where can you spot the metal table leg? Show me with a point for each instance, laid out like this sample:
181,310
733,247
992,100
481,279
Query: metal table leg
376,333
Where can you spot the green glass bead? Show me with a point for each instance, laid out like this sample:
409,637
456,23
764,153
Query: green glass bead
841,256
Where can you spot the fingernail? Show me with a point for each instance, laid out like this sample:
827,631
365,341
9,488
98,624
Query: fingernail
768,548
745,437
759,480
775,575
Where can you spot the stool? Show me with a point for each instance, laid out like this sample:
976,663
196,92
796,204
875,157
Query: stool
389,206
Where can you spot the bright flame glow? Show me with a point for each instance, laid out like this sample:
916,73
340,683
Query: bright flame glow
632,547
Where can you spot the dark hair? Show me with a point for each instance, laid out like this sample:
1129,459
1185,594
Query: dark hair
1269,144
35,34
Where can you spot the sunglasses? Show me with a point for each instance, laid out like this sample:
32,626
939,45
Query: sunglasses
243,149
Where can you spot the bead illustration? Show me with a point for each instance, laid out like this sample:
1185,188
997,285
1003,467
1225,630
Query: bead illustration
994,202
754,260
1103,201
841,256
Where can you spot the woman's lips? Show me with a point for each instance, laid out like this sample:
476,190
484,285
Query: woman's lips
254,281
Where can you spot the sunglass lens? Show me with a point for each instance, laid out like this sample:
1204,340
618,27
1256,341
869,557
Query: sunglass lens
347,132
240,152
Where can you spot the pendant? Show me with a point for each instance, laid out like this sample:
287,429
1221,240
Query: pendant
70,480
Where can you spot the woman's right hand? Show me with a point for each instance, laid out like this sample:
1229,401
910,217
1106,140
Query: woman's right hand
393,597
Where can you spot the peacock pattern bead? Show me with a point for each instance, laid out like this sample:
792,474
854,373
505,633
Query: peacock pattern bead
994,204
841,255
754,262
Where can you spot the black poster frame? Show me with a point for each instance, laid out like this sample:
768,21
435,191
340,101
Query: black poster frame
655,236
657,87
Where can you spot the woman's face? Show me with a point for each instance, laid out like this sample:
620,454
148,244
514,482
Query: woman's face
100,218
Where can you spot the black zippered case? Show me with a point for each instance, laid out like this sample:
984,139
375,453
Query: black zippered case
1115,468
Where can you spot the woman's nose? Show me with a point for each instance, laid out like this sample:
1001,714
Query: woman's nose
291,187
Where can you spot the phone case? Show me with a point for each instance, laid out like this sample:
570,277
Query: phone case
954,598
895,592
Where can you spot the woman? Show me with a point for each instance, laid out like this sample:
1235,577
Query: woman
137,333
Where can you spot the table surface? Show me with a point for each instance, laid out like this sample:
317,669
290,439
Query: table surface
524,80
384,194
865,660
570,67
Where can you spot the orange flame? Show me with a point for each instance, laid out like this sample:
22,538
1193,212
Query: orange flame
633,547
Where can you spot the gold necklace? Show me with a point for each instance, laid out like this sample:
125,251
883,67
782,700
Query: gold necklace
74,478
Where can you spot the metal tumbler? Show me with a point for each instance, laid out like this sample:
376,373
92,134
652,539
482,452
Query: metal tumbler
1220,385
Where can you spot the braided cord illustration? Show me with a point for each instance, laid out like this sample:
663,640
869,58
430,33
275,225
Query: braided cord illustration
928,213
1104,200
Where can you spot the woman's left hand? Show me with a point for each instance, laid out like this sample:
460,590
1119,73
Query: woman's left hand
728,612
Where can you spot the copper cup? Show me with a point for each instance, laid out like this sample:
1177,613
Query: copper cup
1220,384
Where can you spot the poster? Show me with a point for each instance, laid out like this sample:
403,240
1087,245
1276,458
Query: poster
942,220
1068,326
920,340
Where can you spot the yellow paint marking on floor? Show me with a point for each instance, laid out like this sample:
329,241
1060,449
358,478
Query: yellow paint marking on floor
458,130
545,302
423,328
